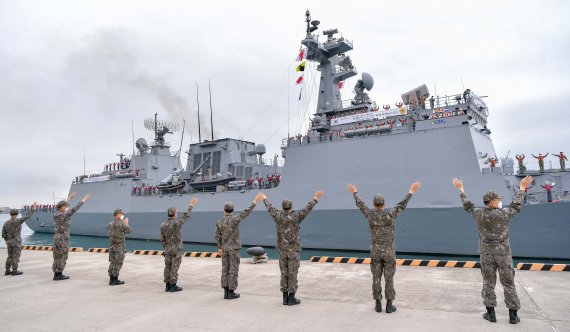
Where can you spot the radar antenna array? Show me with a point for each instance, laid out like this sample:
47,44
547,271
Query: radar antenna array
152,125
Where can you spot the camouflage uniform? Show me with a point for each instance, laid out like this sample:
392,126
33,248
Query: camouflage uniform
382,249
11,233
288,242
495,249
227,238
61,237
117,232
171,239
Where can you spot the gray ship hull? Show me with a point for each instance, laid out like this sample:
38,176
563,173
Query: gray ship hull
427,231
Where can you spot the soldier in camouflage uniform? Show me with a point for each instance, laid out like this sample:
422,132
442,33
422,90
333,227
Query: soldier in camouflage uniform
288,243
382,249
12,235
494,248
171,239
118,229
229,244
61,236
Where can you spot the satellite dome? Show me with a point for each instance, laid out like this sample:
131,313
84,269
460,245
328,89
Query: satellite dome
260,149
367,81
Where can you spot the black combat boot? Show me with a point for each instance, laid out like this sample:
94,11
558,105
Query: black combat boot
285,298
390,308
116,281
60,276
111,279
490,315
226,293
378,306
232,295
174,288
8,272
17,273
513,317
167,287
292,300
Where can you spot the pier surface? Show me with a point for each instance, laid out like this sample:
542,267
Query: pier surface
335,297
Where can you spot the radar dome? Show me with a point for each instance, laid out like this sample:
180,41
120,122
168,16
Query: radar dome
317,119
367,81
260,149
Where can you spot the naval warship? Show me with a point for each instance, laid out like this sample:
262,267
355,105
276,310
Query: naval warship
379,149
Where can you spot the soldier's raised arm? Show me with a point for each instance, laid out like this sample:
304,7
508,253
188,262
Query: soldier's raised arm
359,202
186,214
273,212
400,207
516,204
28,214
305,211
126,228
78,206
240,217
467,205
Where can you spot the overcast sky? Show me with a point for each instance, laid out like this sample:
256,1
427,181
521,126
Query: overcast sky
75,74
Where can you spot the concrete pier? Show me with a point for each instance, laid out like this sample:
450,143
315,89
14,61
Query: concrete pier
335,297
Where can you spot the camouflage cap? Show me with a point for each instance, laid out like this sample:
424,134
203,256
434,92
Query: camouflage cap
378,200
228,206
117,211
490,195
14,212
60,204
171,211
287,204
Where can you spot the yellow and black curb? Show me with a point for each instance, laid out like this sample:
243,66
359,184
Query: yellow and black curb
149,252
50,248
102,250
543,267
402,262
202,254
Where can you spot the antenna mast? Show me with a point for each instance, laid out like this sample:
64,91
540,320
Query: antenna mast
211,113
198,102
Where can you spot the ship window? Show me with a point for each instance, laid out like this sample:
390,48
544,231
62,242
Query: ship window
197,160
216,161
243,156
239,171
205,166
232,169
248,172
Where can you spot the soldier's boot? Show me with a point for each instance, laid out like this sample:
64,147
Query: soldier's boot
285,298
390,308
174,288
378,306
167,287
116,281
60,276
292,300
8,271
17,273
232,295
490,315
226,293
513,317
111,279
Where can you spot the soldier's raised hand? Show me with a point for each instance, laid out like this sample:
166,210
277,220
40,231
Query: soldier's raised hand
351,188
318,195
526,182
85,198
193,201
458,184
257,198
70,197
262,195
414,187
34,206
126,221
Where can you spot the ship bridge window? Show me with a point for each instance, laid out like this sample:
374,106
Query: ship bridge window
216,161
232,169
205,166
197,160
243,156
248,172
239,171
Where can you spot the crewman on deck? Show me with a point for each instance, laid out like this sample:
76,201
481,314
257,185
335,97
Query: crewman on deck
229,244
563,160
171,239
288,243
61,234
118,229
12,235
382,249
494,248
493,163
520,159
540,158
